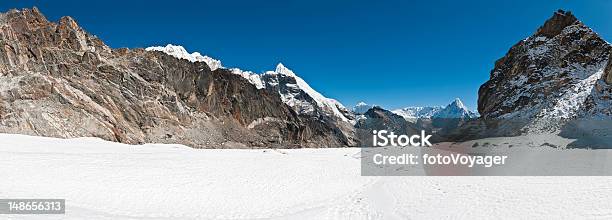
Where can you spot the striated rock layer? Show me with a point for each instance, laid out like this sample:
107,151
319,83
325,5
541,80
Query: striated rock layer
57,80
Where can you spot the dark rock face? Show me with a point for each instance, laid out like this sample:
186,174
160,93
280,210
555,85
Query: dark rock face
377,118
608,72
551,74
556,24
57,80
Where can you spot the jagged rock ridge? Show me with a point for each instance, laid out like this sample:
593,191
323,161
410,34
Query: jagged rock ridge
555,81
557,73
294,91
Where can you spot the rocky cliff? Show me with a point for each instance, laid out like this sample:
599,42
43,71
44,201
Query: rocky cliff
557,73
58,80
555,81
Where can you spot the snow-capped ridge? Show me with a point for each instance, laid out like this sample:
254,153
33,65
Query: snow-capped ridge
266,80
551,82
458,103
181,53
281,69
362,108
455,109
252,77
327,104
413,113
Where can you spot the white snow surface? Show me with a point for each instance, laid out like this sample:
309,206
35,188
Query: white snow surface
104,180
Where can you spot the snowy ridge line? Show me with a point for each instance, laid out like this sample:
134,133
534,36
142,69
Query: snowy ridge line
456,109
330,106
181,53
581,79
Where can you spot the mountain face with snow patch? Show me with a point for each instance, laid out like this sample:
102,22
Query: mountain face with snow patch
455,110
555,81
293,90
181,53
301,97
557,73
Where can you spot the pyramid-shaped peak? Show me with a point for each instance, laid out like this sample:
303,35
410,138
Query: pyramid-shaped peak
458,103
554,25
281,69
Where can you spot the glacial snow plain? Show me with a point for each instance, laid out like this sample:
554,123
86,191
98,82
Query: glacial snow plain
106,180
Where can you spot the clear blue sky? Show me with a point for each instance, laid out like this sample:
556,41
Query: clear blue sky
390,53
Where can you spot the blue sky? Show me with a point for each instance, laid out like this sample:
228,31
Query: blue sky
390,53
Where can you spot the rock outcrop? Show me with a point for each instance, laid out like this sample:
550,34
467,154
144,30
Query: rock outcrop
377,118
556,81
57,80
551,75
608,72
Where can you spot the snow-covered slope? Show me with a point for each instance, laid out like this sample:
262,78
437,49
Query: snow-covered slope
293,90
456,109
106,180
180,52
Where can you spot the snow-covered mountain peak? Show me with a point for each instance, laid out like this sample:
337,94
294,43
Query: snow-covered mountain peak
181,53
457,103
553,74
362,108
290,91
281,69
455,109
413,113
326,104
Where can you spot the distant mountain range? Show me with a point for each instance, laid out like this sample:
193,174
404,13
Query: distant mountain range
455,109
